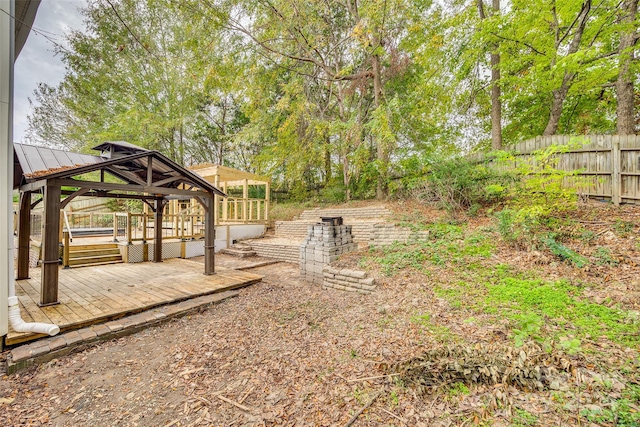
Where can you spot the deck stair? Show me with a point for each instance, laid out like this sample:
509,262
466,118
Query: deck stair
85,255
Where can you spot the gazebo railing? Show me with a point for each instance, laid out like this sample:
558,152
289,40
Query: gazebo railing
140,227
132,227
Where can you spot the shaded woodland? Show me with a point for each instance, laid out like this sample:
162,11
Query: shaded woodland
340,99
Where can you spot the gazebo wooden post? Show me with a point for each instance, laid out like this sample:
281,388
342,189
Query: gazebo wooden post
209,235
50,245
24,232
158,207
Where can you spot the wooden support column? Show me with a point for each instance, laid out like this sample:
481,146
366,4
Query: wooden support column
216,200
50,245
157,230
209,235
24,232
245,201
267,198
225,204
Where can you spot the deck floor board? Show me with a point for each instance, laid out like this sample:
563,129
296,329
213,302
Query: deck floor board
95,294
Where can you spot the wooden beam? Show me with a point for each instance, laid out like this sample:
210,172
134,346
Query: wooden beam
50,246
129,187
203,202
24,232
124,175
36,203
150,171
167,181
33,186
72,196
209,237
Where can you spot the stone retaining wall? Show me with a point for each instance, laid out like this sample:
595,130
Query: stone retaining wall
347,280
360,229
371,212
383,234
282,252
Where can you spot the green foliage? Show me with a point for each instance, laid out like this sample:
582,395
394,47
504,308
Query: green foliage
338,102
458,389
523,418
542,191
563,252
528,326
539,195
459,184
120,205
622,228
446,244
603,255
621,412
527,301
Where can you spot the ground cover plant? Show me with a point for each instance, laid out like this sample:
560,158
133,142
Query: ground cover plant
563,292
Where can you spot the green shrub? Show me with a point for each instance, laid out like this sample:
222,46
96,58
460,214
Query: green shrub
459,184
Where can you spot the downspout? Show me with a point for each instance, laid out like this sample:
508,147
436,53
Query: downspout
6,159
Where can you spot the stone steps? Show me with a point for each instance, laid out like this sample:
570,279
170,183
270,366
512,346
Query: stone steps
239,250
277,249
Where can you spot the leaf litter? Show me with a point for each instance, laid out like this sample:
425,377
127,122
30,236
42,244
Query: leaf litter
288,353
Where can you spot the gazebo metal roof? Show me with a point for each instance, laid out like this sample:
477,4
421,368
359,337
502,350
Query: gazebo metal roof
135,165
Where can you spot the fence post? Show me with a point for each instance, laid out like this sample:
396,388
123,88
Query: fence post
616,183
115,227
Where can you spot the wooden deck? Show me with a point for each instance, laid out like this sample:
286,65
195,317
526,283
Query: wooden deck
92,295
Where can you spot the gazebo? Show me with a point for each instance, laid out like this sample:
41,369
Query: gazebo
124,171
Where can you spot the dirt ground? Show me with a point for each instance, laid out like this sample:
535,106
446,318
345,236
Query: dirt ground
288,353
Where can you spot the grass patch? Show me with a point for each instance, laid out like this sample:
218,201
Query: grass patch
446,244
558,303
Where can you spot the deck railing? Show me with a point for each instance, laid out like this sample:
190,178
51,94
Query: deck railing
245,211
235,210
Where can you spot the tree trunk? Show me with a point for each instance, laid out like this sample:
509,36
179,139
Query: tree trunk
382,153
560,94
624,85
327,161
496,104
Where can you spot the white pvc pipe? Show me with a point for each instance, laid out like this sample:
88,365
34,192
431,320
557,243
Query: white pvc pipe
15,320
20,325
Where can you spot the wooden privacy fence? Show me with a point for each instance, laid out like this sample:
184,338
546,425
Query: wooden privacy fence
608,165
